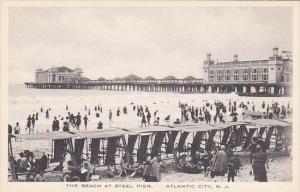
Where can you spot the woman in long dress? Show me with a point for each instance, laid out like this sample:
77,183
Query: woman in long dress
219,164
152,172
259,164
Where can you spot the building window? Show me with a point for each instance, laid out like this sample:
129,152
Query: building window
245,77
265,77
254,77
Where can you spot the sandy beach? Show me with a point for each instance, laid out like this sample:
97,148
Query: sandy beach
23,102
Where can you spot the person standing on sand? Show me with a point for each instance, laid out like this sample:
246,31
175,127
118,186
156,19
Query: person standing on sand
110,116
47,114
118,112
55,125
148,118
85,120
231,170
143,120
259,163
33,120
37,116
78,121
9,129
219,165
154,114
28,125
152,171
17,130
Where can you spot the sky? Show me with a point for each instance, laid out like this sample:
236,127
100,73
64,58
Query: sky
114,42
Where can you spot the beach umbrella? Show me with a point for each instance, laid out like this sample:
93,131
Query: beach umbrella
234,114
37,154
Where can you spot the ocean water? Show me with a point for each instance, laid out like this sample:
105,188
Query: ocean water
25,101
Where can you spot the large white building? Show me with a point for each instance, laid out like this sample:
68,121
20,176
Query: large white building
276,69
58,75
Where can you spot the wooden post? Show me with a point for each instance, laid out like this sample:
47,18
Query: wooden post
14,173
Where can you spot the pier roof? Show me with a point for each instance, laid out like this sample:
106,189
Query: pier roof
132,77
62,69
150,78
170,77
101,79
189,78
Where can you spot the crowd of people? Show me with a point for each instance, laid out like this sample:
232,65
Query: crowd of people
217,162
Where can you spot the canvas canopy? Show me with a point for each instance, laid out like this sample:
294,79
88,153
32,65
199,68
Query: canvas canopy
46,136
198,127
152,129
103,133
269,122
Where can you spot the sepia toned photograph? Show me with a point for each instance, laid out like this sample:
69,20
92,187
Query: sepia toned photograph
135,94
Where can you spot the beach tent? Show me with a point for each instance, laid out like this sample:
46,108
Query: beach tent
204,136
198,132
61,143
272,130
150,141
105,145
